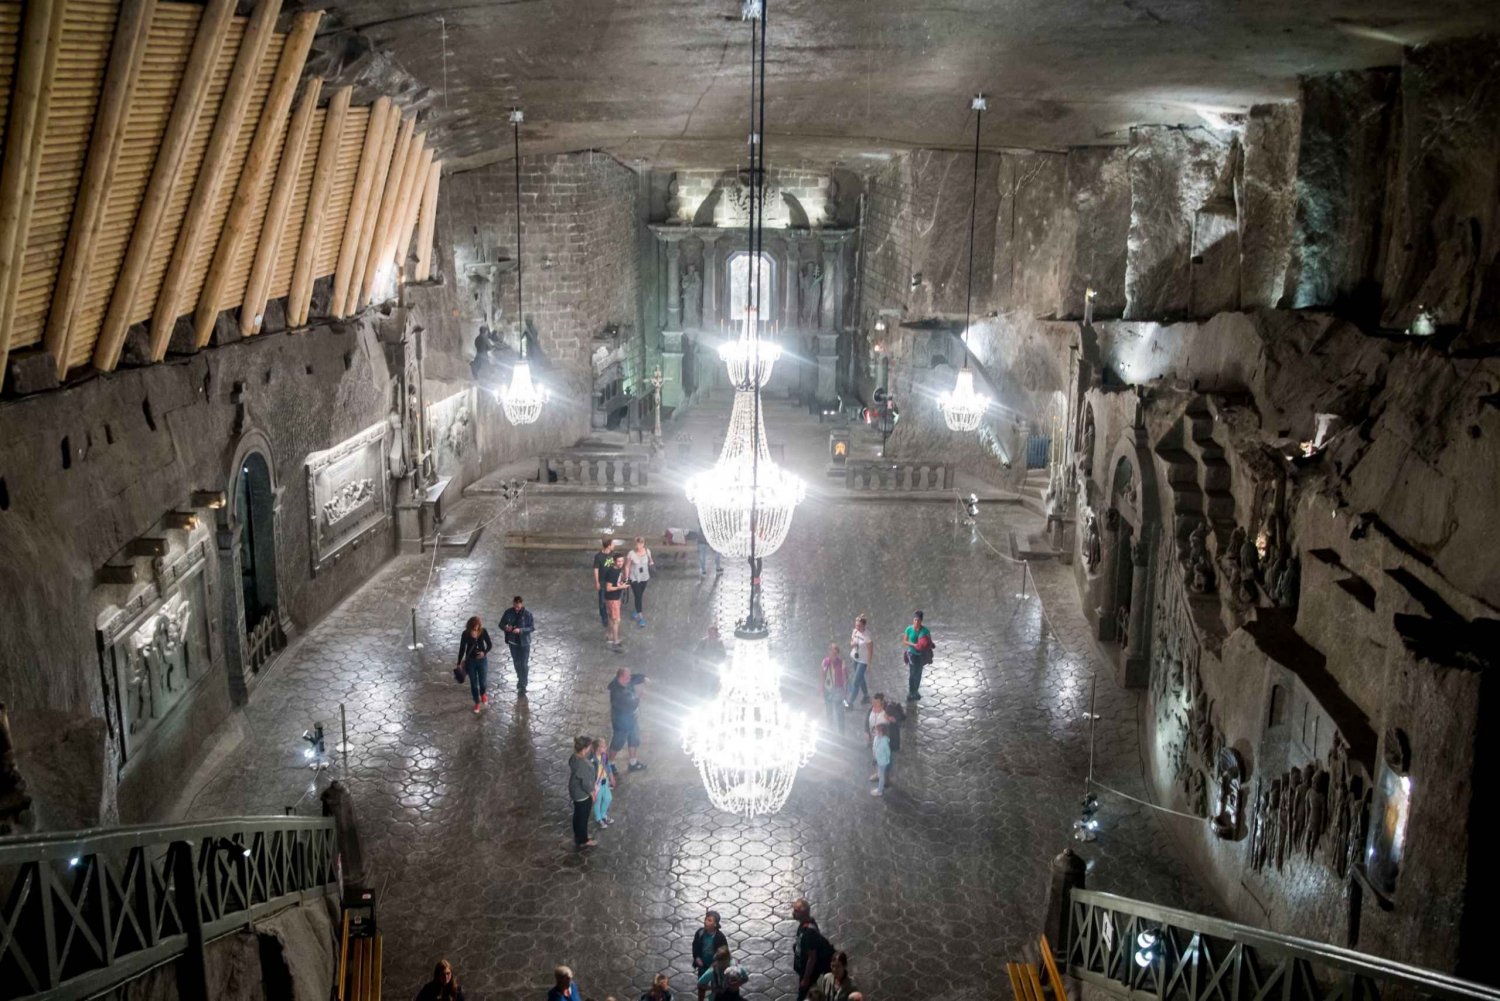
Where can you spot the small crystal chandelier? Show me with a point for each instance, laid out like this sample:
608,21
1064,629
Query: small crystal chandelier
749,352
523,400
964,407
745,500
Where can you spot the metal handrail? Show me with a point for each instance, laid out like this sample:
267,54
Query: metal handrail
1201,958
86,911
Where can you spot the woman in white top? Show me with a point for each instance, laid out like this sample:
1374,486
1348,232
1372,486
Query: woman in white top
638,564
861,648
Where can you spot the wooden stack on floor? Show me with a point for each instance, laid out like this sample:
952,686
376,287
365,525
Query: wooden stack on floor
1026,983
359,966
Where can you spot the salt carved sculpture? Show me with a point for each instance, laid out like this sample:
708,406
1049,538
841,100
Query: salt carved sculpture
1317,813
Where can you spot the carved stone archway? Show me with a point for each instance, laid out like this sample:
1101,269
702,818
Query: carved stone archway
251,517
1133,530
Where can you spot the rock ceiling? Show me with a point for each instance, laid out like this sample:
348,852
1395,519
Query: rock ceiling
664,82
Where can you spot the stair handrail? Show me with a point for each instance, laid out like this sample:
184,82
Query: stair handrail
89,910
1180,966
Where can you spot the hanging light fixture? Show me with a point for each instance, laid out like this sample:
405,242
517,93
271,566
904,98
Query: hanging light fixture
964,407
748,746
524,398
745,501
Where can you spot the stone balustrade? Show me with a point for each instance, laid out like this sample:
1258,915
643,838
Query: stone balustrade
897,474
615,470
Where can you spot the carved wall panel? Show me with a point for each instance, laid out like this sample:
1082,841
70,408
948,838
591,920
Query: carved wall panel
347,495
453,432
155,650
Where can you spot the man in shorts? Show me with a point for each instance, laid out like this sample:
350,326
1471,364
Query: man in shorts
612,586
624,707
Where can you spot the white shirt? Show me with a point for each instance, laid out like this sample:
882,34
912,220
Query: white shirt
638,565
859,646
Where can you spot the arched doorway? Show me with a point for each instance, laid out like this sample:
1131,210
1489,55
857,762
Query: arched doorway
255,514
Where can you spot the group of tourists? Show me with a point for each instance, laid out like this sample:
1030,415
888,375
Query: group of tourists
616,573
591,770
822,970
474,646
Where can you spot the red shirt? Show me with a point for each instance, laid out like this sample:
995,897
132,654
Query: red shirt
834,666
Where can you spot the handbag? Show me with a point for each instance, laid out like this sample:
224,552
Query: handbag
460,674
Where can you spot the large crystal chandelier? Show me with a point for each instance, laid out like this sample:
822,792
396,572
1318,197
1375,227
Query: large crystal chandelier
523,399
964,407
749,353
745,501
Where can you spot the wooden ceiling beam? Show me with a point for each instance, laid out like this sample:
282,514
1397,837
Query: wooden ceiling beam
264,146
227,123
299,296
387,168
127,53
381,122
268,251
382,251
192,93
31,95
412,187
426,226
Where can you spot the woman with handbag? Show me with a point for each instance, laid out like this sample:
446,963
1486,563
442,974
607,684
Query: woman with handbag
473,661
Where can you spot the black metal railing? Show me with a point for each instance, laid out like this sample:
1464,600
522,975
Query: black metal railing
85,911
1138,950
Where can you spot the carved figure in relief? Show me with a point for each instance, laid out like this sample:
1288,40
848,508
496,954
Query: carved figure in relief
347,499
810,300
1086,452
1229,560
1227,807
1197,793
1299,806
1200,567
1289,583
1284,817
692,298
1271,825
1317,812
1092,547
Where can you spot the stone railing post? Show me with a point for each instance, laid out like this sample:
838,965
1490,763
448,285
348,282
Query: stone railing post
1068,871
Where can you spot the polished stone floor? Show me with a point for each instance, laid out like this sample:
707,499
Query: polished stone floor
466,819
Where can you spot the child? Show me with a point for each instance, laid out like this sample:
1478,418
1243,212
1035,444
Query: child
882,749
833,685
604,782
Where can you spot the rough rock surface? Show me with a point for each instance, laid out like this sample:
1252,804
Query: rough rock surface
301,940
1341,184
1268,202
1034,234
939,185
1181,209
1443,228
1099,188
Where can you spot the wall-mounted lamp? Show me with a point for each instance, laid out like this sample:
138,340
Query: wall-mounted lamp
184,521
211,499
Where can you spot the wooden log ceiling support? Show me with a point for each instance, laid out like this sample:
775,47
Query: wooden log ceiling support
31,94
382,252
387,169
192,92
412,187
227,123
381,122
427,225
268,251
299,296
264,147
127,53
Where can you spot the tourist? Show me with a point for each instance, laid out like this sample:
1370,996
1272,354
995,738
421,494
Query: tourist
707,941
659,989
880,747
703,550
443,986
836,984
879,715
603,558
517,624
638,567
861,649
624,704
710,656
563,988
581,774
811,952
604,781
474,648
919,647
722,980
833,686
613,578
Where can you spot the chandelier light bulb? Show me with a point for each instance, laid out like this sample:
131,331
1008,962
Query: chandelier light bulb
745,477
748,746
749,350
964,407
523,400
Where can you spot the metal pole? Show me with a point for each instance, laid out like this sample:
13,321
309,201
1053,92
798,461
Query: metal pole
344,747
415,644
1025,572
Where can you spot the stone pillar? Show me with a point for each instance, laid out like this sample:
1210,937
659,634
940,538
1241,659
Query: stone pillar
828,360
1068,874
232,612
791,262
833,280
1136,662
671,368
1104,585
712,314
674,283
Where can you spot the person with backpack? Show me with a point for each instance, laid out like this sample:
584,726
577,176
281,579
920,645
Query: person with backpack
638,567
812,954
722,980
919,649
474,648
517,624
707,941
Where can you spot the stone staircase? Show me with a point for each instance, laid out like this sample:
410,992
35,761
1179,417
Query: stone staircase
1199,477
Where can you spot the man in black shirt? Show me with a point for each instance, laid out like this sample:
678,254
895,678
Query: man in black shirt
517,624
603,558
623,705
812,954
612,586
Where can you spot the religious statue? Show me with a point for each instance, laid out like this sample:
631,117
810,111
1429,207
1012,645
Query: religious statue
1317,813
1052,497
1226,818
1086,452
810,301
486,361
692,298
1092,547
395,455
1200,567
1288,583
1249,562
